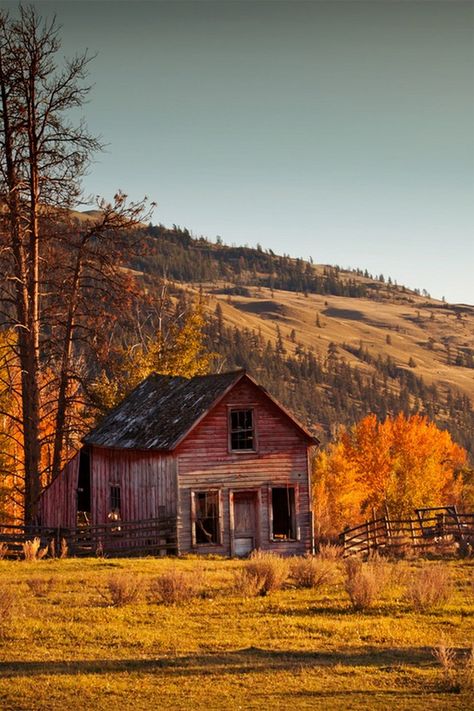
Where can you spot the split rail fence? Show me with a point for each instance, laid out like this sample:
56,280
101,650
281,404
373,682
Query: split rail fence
420,533
117,538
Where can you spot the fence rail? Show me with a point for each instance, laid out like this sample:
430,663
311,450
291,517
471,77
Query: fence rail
427,529
117,538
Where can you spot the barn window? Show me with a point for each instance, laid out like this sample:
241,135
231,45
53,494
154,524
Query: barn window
283,513
206,517
242,430
115,503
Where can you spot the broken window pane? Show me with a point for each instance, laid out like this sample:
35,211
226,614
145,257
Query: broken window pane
242,435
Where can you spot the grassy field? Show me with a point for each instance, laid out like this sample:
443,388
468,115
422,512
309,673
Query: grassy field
299,648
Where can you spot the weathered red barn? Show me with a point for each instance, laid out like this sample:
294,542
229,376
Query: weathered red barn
216,454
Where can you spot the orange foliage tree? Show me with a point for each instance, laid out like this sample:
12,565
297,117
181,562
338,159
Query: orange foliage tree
402,463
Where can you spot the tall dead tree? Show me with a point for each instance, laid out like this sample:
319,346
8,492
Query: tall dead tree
49,263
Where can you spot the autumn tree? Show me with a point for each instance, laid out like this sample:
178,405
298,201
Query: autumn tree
57,275
175,347
403,463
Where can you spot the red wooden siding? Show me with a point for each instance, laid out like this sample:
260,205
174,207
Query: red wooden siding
147,483
58,503
204,462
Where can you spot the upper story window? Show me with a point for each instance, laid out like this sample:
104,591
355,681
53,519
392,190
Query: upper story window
242,430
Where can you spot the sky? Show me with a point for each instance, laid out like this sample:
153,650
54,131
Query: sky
340,130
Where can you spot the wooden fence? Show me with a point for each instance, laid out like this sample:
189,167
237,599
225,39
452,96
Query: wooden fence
418,534
117,538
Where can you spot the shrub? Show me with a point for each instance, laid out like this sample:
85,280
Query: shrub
365,582
63,549
3,550
6,609
246,584
429,588
312,572
123,588
457,671
330,551
174,587
41,587
264,572
446,658
467,673
32,549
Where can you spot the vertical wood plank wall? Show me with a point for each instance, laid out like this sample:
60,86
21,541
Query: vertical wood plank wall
147,483
281,460
58,503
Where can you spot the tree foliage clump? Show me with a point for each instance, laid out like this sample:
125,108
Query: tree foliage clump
176,348
402,463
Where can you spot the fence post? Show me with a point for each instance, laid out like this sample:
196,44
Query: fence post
342,538
412,531
388,533
374,525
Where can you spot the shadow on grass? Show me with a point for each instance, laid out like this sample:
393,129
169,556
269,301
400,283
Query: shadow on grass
241,661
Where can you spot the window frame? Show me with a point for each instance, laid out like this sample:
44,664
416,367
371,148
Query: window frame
294,514
113,490
219,517
239,408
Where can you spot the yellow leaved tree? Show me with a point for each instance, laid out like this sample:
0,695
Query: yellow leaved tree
180,350
402,463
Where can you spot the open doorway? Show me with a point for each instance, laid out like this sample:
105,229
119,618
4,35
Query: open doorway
84,489
283,513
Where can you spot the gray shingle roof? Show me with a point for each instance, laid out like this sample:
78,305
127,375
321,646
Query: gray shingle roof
160,411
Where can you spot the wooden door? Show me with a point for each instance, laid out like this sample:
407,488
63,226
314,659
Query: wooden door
245,522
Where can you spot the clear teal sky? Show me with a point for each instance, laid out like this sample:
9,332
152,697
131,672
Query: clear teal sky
341,130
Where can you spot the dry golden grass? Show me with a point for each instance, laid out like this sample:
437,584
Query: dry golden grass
304,648
6,609
41,586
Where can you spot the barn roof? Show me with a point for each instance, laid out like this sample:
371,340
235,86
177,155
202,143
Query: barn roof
163,409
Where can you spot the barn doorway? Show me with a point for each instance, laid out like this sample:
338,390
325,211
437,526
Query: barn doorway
245,534
84,488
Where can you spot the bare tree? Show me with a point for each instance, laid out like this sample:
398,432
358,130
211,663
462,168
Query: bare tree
54,268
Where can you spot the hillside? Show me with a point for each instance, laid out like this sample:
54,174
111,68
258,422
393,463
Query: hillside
332,344
334,359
